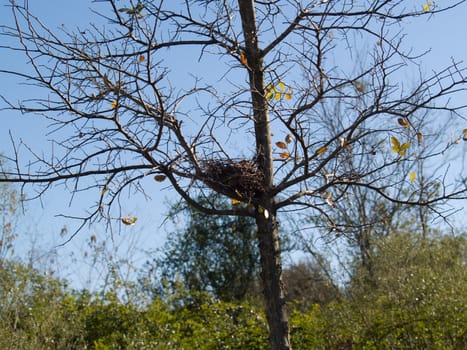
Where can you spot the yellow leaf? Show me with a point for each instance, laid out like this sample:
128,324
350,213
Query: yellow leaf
269,95
141,58
114,104
403,122
235,201
404,147
243,60
284,155
281,145
159,178
277,96
412,176
427,6
396,145
129,220
399,148
281,86
288,96
321,150
288,138
464,136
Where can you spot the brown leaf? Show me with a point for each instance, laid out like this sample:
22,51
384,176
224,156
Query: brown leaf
284,155
321,150
403,122
160,178
281,145
243,59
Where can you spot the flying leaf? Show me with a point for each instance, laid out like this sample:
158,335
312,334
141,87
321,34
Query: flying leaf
129,221
403,122
284,155
281,145
321,150
243,59
288,138
159,178
412,176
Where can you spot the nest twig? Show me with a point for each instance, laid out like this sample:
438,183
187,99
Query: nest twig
240,179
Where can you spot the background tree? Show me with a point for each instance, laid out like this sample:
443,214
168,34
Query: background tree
124,115
215,254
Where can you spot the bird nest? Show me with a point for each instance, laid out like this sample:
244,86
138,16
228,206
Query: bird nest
241,179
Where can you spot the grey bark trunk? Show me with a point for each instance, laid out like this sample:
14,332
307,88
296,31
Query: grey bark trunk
268,234
271,276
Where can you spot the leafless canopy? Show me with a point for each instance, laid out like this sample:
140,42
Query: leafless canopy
332,80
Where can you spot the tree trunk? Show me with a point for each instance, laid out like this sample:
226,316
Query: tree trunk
268,234
271,276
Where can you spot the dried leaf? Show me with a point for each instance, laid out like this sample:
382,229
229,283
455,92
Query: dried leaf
281,145
403,122
159,178
359,86
243,59
329,201
321,150
288,96
284,155
141,58
288,138
129,221
419,137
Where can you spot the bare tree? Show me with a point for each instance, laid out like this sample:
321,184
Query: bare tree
116,93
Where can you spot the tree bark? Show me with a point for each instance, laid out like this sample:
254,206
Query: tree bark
271,276
268,233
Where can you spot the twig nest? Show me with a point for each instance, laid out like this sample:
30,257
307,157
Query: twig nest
241,179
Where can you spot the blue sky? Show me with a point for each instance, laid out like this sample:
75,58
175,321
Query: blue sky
443,34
